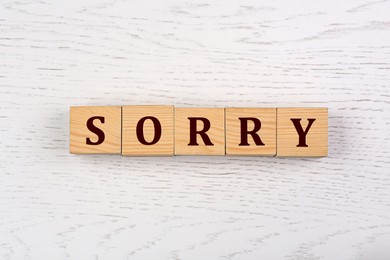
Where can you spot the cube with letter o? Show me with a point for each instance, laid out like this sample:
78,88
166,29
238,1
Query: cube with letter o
147,130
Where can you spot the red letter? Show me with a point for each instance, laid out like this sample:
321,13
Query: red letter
95,130
202,133
140,130
302,134
245,132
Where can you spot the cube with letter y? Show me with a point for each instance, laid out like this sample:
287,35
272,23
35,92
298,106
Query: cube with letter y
95,130
199,131
302,132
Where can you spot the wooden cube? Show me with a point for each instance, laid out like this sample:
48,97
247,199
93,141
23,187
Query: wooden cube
250,131
147,131
199,131
302,132
95,130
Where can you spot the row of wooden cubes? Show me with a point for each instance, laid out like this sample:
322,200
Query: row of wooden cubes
168,131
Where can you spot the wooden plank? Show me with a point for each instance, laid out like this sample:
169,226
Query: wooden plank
55,54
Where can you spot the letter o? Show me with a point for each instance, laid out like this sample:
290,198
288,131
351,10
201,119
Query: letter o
140,130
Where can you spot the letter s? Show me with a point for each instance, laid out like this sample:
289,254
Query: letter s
95,130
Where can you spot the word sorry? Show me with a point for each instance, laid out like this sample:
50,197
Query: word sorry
168,131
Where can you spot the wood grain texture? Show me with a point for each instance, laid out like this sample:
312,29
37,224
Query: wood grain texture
208,128
55,205
157,130
265,143
95,130
306,137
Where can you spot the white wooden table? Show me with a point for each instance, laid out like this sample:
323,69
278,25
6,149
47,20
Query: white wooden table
54,54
